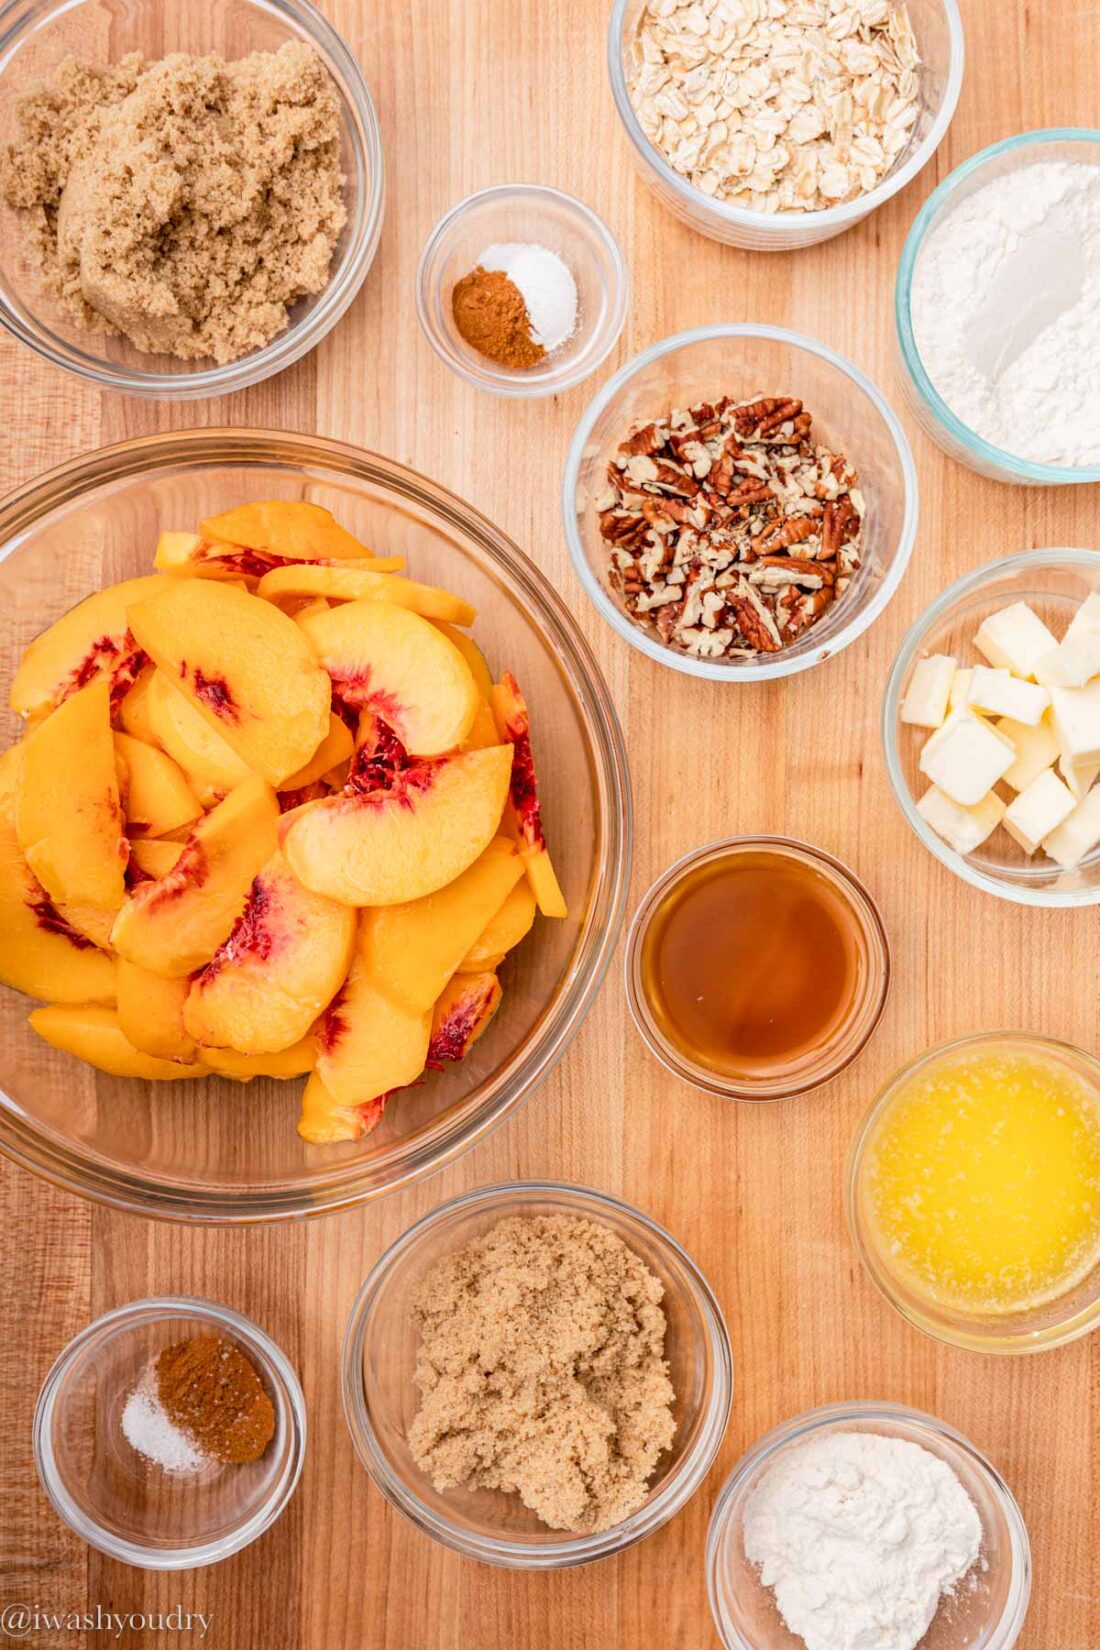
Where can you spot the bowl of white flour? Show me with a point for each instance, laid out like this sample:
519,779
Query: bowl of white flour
998,310
867,1526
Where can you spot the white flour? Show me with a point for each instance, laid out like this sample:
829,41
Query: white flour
1006,312
860,1536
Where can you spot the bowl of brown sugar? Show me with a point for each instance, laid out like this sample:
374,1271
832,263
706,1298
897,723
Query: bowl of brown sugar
170,1433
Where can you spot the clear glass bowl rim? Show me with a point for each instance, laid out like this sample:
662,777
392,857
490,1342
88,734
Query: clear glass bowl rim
364,233
1004,1344
1018,894
832,217
571,1550
633,633
79,1171
878,943
517,386
159,1307
854,1413
1025,469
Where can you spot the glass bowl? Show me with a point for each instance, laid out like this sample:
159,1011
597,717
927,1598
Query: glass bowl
524,212
1053,581
939,33
210,1150
380,1400
128,1507
1071,1315
847,1040
986,1613
742,360
921,397
39,34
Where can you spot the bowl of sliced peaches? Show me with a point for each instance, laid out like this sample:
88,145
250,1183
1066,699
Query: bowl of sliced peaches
314,826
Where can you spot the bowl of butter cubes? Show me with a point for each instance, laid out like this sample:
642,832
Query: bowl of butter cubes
991,726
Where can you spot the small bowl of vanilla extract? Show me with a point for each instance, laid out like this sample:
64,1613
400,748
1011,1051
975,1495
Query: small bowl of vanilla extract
757,968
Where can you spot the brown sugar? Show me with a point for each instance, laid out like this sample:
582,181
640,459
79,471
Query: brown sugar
542,1372
212,1392
184,203
491,315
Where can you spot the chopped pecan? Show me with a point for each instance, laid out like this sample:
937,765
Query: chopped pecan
647,440
751,624
792,530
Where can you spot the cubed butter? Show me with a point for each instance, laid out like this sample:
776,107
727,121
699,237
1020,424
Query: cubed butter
1086,620
1075,714
925,702
1077,835
1038,811
1015,638
960,687
1080,778
1036,749
1075,661
966,757
964,829
1000,693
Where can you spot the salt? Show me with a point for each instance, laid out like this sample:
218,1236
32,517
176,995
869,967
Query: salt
546,285
148,1430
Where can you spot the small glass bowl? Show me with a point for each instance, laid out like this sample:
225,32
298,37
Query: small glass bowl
939,33
39,34
380,1399
1054,582
847,1042
988,1608
128,1507
740,359
921,397
524,212
1067,1318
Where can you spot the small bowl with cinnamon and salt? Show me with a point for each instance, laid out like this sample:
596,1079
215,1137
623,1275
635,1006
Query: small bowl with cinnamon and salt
522,290
170,1433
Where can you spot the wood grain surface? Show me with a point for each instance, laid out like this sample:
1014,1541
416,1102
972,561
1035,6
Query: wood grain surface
474,92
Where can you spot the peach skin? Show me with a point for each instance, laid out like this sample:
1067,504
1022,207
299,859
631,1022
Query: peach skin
514,724
466,1005
325,1122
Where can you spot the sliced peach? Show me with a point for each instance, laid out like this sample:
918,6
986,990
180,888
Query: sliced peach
158,797
514,724
412,950
244,666
91,921
295,1061
132,713
154,858
368,1044
389,660
387,846
192,554
466,1005
293,528
472,654
348,584
67,814
287,956
93,1034
324,1121
92,637
174,925
335,747
150,1012
209,761
508,926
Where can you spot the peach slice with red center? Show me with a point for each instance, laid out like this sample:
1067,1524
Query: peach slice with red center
466,1005
291,528
505,930
67,814
335,747
93,1034
391,661
174,925
412,950
367,1044
244,666
383,847
92,637
348,584
295,1061
514,724
157,796
285,959
325,1122
211,764
150,1012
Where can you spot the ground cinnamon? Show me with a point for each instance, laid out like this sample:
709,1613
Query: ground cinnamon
491,315
211,1391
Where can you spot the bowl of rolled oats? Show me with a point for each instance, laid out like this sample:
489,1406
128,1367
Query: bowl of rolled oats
740,502
774,124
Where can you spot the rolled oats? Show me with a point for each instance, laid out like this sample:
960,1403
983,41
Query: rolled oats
777,105
731,531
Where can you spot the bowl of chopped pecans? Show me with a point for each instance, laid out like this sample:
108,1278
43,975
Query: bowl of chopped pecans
740,502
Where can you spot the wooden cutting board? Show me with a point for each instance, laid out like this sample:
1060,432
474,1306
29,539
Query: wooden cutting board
478,93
